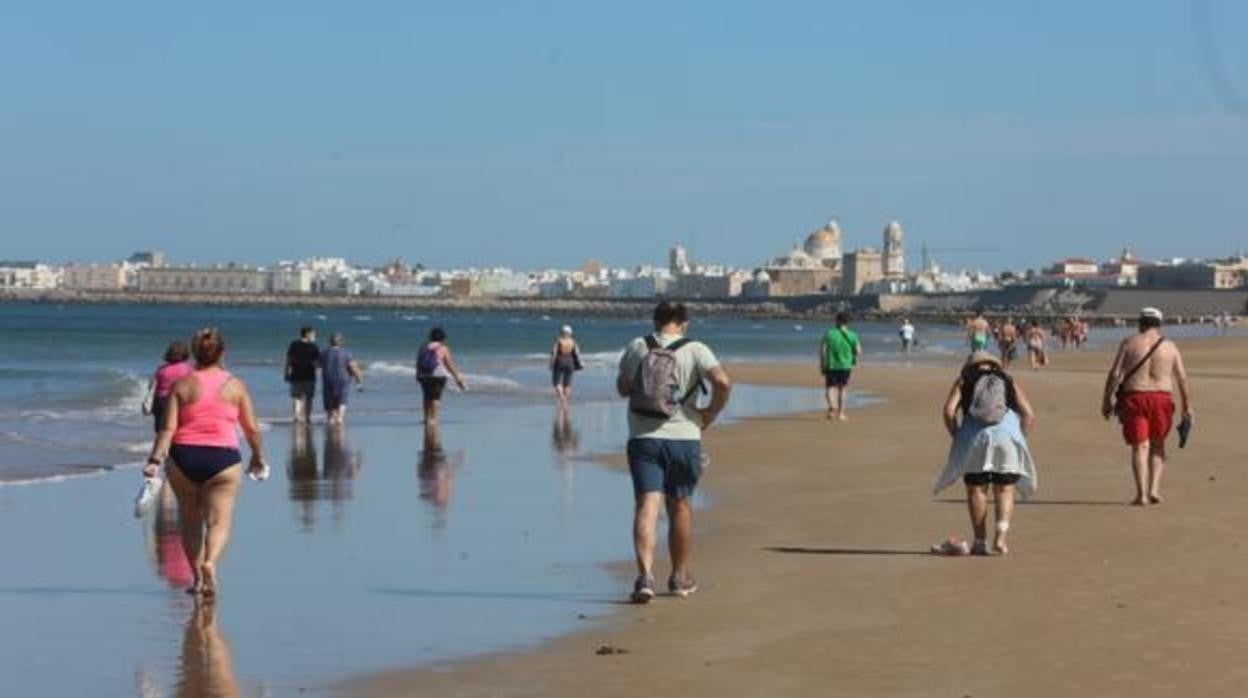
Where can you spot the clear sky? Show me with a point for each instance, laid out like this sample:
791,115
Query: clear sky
546,133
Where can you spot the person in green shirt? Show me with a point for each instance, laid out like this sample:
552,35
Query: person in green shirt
838,354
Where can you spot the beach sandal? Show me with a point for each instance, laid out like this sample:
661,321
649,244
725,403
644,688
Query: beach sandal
951,547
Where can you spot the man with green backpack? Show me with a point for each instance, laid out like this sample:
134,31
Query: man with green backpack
838,355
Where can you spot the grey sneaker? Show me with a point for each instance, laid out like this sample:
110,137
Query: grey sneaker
643,590
681,587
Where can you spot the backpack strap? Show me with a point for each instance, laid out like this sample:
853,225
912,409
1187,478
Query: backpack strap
1136,368
651,342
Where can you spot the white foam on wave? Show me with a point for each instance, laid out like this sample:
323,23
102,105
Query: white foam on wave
390,368
478,382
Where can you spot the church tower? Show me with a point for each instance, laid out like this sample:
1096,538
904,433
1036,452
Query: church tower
894,251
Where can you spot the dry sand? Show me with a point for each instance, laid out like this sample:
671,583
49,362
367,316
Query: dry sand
815,579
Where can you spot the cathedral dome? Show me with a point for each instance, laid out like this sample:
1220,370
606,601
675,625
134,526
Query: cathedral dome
825,243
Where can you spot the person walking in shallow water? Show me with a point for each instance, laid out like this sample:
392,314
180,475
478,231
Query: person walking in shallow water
338,369
662,375
988,416
302,358
200,440
176,367
1139,390
565,359
434,365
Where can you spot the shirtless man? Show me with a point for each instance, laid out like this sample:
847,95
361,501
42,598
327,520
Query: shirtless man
978,331
1007,342
1138,389
1036,354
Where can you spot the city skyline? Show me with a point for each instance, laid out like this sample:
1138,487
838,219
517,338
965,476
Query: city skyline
547,136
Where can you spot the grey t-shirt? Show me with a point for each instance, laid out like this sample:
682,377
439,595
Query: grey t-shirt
693,361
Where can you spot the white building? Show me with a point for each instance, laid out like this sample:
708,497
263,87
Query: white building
28,275
99,277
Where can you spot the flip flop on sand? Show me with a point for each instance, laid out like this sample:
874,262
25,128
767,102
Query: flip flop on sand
952,547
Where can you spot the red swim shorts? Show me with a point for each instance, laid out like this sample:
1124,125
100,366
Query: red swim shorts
1146,417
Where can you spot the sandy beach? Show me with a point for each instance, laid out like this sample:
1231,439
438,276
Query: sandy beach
816,580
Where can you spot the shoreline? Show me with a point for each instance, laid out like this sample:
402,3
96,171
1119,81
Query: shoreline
1042,304
833,540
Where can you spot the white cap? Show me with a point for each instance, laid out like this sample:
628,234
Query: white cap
566,329
1151,313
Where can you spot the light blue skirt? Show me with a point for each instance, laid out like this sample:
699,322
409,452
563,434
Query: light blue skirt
990,448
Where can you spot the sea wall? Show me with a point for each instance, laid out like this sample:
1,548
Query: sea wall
1039,302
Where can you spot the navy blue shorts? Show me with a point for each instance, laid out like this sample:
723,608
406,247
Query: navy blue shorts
836,378
201,463
665,465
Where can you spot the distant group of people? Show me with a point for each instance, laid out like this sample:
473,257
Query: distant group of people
200,408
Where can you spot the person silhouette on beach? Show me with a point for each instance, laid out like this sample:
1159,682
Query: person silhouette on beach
1138,389
662,374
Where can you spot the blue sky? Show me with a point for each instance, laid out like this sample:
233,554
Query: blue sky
548,133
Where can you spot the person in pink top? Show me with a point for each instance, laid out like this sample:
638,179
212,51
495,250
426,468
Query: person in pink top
200,439
176,367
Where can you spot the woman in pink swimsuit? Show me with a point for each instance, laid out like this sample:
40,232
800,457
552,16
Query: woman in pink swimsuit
176,367
200,439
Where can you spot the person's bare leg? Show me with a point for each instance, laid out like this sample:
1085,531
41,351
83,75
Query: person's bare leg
840,402
645,525
1156,468
680,534
432,408
296,409
191,521
219,495
1139,469
829,394
977,506
1004,495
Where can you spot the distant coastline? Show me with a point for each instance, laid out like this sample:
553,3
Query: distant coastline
1101,305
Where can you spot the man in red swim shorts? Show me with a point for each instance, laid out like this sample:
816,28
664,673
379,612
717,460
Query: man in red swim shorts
1138,389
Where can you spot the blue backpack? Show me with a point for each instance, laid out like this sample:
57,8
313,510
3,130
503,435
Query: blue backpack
427,361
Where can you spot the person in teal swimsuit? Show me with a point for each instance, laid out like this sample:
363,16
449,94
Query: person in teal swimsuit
978,331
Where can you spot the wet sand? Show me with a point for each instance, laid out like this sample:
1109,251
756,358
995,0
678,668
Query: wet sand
815,578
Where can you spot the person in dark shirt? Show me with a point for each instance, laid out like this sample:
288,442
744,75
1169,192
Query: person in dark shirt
302,358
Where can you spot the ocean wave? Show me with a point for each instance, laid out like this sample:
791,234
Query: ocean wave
596,358
119,399
73,473
485,383
477,382
390,368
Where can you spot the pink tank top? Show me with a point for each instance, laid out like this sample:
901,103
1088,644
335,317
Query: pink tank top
169,374
210,420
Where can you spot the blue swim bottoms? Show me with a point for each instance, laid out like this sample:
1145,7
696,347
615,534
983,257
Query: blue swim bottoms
201,463
665,465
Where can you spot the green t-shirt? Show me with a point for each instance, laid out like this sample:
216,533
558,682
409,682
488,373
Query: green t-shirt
842,348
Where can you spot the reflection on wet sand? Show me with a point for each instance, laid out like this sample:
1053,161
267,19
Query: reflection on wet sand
207,667
565,440
171,562
564,437
435,472
331,482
